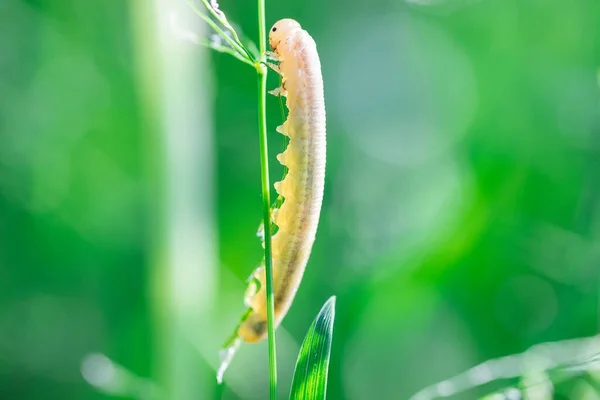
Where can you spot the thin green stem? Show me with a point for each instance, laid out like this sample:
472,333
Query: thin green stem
225,49
262,30
220,16
220,31
264,162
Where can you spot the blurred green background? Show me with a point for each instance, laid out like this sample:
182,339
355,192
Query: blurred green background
461,219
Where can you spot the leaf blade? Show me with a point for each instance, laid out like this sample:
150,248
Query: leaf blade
312,366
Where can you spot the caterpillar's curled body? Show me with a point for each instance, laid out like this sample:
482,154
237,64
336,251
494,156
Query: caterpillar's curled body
302,187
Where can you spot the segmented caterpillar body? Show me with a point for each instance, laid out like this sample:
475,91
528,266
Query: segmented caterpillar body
302,187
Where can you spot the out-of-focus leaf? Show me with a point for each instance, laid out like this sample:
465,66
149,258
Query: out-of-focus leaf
312,366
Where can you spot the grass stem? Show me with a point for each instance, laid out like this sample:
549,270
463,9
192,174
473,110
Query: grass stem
264,162
237,46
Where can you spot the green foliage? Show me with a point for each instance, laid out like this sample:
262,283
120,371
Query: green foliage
462,195
312,367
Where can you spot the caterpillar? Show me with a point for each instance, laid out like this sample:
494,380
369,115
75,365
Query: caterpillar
302,188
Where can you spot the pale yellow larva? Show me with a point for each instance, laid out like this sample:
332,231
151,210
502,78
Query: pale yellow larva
302,187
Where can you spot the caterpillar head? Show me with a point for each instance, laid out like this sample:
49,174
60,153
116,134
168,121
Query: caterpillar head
280,31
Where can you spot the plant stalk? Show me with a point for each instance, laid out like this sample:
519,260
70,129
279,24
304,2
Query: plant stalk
220,31
219,16
264,162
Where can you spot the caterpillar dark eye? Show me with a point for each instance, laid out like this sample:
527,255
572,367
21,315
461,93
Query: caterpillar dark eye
274,29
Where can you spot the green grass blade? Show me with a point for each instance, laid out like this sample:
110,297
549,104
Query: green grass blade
310,376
